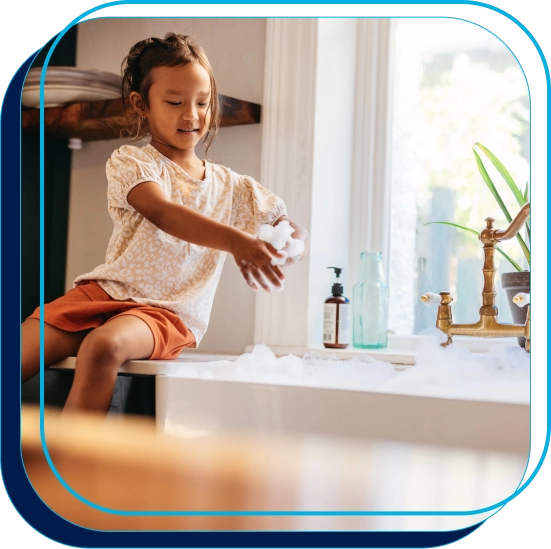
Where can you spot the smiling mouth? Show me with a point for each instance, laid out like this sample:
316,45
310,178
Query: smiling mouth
188,130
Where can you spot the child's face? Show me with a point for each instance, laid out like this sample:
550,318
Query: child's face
178,113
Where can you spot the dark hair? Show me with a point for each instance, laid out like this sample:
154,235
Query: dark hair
172,51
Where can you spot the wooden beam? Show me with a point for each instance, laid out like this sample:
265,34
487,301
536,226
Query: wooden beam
107,119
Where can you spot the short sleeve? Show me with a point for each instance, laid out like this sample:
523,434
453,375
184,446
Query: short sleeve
129,166
254,205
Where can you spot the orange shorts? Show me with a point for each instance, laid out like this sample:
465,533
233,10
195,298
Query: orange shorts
89,306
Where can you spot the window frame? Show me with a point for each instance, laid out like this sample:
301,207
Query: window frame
289,165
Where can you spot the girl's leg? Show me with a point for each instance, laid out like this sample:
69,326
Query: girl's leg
58,344
102,352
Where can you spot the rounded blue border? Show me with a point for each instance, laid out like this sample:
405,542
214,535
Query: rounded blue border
7,246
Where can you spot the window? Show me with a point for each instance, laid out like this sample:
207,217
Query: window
454,84
397,156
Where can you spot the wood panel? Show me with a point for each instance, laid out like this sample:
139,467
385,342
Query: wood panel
106,119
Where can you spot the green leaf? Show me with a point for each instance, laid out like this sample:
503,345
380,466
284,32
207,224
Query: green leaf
528,220
504,173
452,225
510,259
491,186
512,185
524,247
521,198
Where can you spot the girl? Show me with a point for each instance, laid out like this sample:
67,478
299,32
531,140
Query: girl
175,217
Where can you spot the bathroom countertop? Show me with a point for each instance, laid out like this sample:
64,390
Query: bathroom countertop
154,367
394,355
400,353
166,367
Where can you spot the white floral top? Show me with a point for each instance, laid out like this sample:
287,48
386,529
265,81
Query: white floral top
148,265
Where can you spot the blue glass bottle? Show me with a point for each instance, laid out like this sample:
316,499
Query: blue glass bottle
370,304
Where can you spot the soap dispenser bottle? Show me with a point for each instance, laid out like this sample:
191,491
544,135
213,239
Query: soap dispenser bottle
337,316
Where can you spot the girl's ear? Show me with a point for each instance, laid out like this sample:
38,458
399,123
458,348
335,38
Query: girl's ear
137,103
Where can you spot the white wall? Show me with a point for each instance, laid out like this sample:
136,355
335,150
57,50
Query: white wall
332,165
238,64
307,153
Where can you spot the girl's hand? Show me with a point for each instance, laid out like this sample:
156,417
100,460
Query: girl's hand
255,259
299,233
252,277
291,260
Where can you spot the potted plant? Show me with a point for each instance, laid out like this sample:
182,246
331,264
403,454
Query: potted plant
518,280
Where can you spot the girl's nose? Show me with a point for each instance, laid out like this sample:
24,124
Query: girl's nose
189,113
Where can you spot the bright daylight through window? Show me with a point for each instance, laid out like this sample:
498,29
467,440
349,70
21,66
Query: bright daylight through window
455,84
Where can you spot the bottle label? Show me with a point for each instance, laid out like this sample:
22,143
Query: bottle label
345,322
329,322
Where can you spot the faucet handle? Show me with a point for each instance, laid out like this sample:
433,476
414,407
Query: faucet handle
521,299
431,299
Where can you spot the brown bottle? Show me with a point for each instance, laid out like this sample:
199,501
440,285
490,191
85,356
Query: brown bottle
337,317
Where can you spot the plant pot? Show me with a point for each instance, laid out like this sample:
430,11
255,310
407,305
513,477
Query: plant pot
513,283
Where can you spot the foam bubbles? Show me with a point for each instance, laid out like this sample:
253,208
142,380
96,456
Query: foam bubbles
280,238
503,374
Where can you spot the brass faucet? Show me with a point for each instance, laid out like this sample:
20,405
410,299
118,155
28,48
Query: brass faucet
487,325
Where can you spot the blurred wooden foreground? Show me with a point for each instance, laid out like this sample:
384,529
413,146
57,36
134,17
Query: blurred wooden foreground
123,464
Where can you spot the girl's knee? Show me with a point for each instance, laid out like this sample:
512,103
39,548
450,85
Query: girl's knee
104,347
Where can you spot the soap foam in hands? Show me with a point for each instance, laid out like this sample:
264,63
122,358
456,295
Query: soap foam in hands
280,237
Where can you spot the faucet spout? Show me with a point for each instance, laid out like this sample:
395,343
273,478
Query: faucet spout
497,235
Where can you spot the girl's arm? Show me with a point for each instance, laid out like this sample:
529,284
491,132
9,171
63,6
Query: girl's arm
189,225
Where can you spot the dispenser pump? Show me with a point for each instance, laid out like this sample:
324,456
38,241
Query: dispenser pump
337,315
337,288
